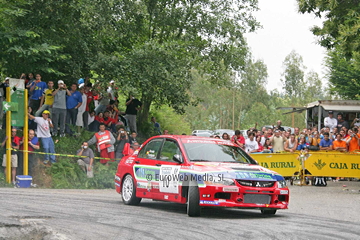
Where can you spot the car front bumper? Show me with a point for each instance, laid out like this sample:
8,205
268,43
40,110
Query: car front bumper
244,197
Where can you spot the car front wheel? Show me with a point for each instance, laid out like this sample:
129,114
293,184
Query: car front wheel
268,212
128,191
193,207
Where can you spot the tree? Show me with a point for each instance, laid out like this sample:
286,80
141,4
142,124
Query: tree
175,36
343,75
293,75
339,35
340,25
313,85
148,46
49,37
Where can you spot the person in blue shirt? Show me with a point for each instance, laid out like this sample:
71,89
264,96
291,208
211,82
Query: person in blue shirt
326,143
157,129
37,89
302,143
73,102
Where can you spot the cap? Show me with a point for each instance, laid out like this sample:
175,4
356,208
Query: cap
81,85
46,112
7,78
277,130
330,112
60,82
112,81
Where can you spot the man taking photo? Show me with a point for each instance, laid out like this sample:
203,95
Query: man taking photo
87,159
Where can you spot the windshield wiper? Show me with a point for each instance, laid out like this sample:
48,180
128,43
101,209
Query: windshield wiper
199,160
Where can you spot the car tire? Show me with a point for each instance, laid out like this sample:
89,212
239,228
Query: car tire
268,212
128,191
193,207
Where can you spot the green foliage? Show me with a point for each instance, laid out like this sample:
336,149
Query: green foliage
247,102
147,45
171,121
3,180
344,75
293,75
66,173
339,35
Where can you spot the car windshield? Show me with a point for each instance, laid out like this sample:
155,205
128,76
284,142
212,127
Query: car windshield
215,151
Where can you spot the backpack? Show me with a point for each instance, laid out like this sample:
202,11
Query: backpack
320,181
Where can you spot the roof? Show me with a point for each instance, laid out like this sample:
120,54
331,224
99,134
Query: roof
337,105
334,105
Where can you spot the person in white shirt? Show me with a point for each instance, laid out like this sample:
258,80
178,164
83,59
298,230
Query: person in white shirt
330,121
110,90
251,145
44,124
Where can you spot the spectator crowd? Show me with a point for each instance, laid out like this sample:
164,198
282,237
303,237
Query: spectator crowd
336,135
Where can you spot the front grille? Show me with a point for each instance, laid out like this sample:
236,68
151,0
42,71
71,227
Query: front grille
257,198
263,184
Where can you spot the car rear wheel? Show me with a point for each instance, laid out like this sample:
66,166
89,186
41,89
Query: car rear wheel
193,207
268,212
128,191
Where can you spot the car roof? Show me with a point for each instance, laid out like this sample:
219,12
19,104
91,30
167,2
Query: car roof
191,137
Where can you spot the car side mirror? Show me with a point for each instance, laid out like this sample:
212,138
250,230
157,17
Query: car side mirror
177,158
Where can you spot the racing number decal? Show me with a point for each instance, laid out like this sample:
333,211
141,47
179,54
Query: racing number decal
169,179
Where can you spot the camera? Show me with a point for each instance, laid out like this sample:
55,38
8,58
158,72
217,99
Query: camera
122,131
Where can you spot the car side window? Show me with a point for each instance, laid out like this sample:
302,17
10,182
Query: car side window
151,149
169,149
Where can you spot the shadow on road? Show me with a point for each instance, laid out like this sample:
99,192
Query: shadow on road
209,212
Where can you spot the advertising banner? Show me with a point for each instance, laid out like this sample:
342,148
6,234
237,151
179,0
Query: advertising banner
286,164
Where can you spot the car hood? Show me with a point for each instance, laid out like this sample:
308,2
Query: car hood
237,171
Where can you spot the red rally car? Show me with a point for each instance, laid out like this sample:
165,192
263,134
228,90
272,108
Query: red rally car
199,172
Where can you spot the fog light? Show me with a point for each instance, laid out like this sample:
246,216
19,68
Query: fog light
239,199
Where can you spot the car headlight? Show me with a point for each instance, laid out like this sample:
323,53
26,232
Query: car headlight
281,184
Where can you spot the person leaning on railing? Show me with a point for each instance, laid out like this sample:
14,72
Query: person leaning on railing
291,144
326,144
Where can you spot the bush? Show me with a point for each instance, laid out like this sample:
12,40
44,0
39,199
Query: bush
66,173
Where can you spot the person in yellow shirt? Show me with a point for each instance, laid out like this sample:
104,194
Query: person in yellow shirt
315,139
46,100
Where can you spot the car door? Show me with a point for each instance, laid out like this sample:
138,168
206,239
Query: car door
169,172
146,168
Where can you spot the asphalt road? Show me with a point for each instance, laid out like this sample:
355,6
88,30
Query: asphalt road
331,212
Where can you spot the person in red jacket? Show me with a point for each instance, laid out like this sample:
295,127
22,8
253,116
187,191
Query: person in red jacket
109,122
105,144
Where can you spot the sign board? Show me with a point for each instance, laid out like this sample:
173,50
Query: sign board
334,164
286,164
17,83
17,117
10,106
